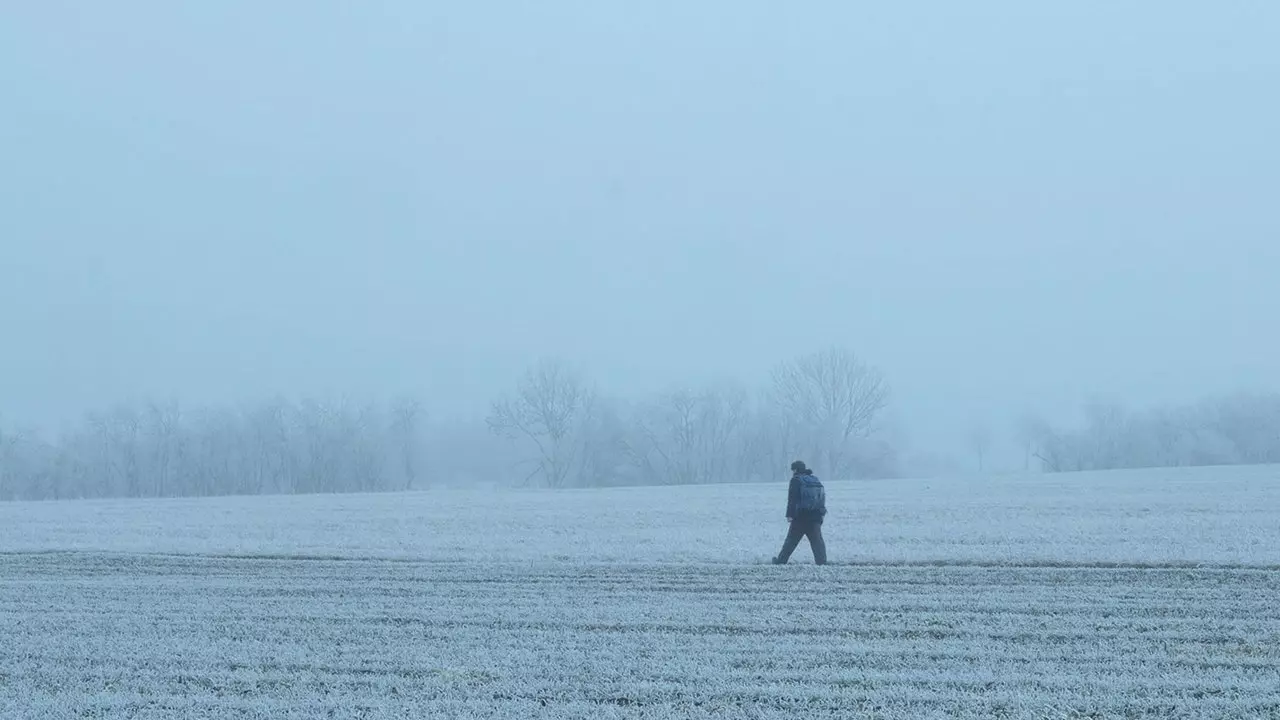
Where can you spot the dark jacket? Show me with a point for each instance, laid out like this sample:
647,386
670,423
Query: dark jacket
793,499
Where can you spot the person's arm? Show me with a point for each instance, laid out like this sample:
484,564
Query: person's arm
793,497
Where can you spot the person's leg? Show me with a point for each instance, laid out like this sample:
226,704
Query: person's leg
817,544
789,545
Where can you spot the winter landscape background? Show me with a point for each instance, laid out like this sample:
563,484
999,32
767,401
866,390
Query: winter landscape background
557,429
1113,594
396,359
246,251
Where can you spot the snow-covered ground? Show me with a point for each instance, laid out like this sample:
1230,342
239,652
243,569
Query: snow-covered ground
119,637
1225,516
1138,594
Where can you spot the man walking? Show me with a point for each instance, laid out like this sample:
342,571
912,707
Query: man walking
806,506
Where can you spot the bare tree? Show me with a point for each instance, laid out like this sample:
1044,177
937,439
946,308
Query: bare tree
269,430
686,436
8,465
666,436
772,440
164,440
549,408
726,417
405,414
1108,434
605,443
831,398
1250,423
119,434
980,443
1030,432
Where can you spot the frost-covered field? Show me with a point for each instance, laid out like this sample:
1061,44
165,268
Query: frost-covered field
1148,594
92,636
1225,516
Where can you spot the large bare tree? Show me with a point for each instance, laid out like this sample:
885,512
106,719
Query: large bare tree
828,400
686,436
549,408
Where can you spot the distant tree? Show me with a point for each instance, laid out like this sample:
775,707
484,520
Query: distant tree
550,405
405,415
1059,452
980,443
162,441
827,401
120,435
725,419
1249,424
1030,432
686,436
606,444
1238,429
1108,433
770,442
8,464
365,449
271,432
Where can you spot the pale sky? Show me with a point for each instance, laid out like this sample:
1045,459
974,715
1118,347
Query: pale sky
1004,205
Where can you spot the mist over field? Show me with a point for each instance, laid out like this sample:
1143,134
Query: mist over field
397,359
220,222
1128,593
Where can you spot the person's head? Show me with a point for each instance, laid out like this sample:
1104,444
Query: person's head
799,468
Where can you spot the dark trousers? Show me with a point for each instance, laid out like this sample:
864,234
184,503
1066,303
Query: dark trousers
801,527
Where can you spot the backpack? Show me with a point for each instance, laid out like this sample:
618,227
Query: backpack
813,497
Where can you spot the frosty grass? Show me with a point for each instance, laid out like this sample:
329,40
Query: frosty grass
1132,594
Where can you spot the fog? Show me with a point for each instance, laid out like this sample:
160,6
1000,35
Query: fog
1004,206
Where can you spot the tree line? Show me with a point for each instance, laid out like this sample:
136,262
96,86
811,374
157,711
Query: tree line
554,428
825,406
163,450
1235,429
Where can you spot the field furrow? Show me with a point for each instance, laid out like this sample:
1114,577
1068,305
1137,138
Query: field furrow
100,635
